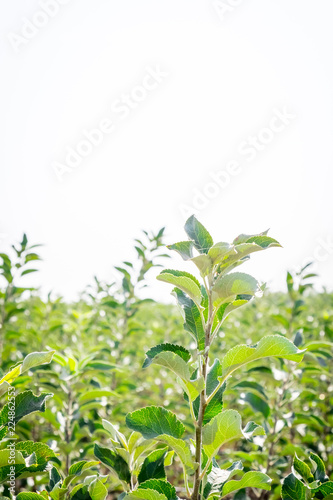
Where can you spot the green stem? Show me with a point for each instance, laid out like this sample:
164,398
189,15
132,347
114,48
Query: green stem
68,427
203,402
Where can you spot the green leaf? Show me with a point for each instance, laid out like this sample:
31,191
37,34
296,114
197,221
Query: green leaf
97,490
272,345
5,259
31,256
4,388
177,365
28,271
203,263
158,423
184,248
145,495
193,322
29,495
114,461
320,473
199,234
41,450
317,346
27,458
36,359
79,492
101,365
169,458
37,457
302,469
281,319
242,247
185,281
246,384
293,489
25,403
24,241
264,241
243,238
153,421
227,288
116,435
325,489
59,493
95,394
12,374
255,244
221,251
290,282
251,479
153,466
54,477
215,405
257,403
182,449
141,446
32,360
179,350
77,468
6,458
161,487
225,427
218,477
226,308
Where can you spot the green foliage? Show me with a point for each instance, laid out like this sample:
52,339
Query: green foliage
205,308
306,481
80,432
12,270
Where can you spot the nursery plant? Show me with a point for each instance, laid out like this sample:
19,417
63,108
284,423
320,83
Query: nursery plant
205,304
22,458
13,270
100,340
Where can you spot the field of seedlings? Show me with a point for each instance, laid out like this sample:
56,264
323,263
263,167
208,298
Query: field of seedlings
226,392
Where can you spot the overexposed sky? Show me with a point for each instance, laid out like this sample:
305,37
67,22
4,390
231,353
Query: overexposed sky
188,93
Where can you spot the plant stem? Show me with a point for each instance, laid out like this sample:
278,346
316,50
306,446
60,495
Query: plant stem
68,427
198,440
203,402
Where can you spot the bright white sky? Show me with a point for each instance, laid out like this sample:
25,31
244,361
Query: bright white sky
227,76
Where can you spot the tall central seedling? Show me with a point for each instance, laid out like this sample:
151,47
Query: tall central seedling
205,307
